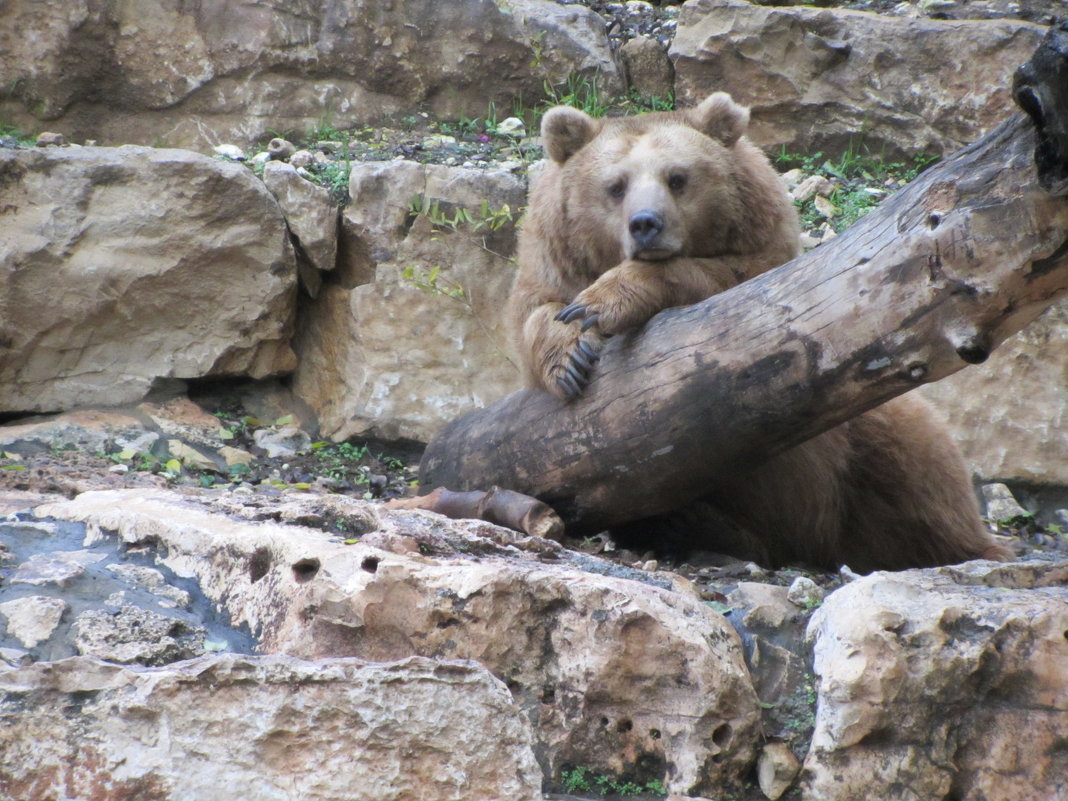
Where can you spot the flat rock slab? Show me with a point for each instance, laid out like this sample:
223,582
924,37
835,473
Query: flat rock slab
272,728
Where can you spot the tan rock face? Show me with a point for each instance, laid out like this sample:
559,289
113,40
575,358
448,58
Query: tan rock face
822,80
126,266
310,211
617,674
943,683
422,343
191,74
263,726
1010,414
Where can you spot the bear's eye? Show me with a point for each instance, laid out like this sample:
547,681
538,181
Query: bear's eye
617,189
676,182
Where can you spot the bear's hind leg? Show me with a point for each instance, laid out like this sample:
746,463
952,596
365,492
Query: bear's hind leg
909,499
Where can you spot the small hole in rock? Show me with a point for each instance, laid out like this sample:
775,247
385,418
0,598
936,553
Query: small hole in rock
624,726
548,695
604,721
259,564
722,735
370,564
305,570
654,734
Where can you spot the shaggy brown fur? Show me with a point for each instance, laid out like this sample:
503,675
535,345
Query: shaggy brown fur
636,215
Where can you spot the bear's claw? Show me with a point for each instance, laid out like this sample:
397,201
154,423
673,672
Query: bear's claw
571,312
570,387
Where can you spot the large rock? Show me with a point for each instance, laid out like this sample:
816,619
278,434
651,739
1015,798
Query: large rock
946,683
423,342
124,267
1010,414
312,215
195,73
271,728
835,80
626,676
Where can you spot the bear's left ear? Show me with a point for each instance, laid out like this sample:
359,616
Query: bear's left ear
565,130
720,117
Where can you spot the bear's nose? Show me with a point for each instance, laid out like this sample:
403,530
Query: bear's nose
645,227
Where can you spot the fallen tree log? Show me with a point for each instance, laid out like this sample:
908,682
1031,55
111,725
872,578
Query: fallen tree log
932,280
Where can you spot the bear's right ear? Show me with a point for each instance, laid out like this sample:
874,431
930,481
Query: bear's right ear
564,131
720,117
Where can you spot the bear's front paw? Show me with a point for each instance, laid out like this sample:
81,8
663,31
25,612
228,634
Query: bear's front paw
611,306
568,365
577,368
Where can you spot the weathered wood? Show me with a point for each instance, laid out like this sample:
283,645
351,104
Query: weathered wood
502,507
932,280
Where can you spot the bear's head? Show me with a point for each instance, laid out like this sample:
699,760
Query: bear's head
657,185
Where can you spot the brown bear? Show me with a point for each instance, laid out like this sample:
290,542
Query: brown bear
635,215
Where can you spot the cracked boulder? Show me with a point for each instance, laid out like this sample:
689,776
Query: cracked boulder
128,268
943,683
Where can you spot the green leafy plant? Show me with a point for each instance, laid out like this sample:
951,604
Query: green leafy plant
861,182
583,780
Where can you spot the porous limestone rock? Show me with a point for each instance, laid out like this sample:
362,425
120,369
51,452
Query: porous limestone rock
271,728
198,74
614,668
833,80
131,634
127,267
408,335
1010,414
943,683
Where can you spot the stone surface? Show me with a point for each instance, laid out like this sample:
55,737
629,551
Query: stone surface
33,618
60,568
943,683
189,456
95,431
623,673
1000,504
311,212
180,417
283,441
131,634
271,728
804,592
777,768
232,71
835,80
153,581
126,267
649,69
422,342
1010,414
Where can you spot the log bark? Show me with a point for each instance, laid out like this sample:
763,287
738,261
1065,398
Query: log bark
498,506
931,281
